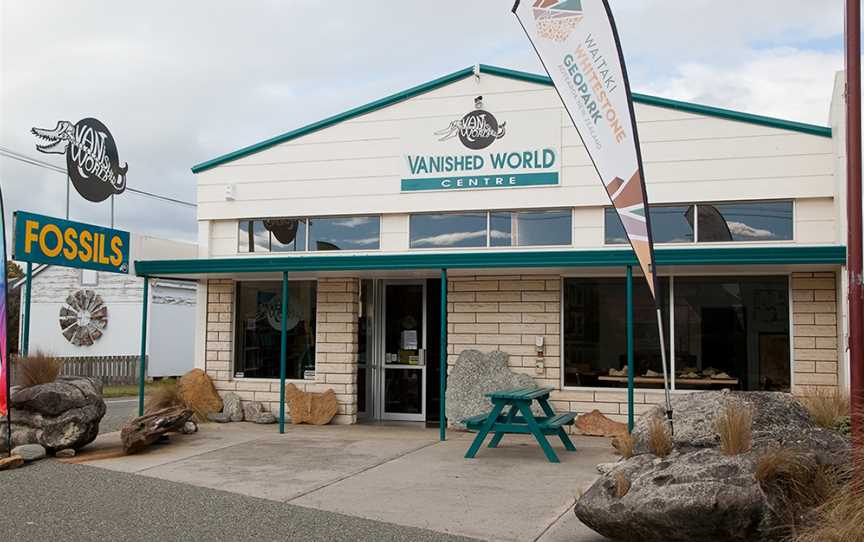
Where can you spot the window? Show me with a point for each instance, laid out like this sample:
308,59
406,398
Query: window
759,221
669,224
301,234
595,333
530,228
258,329
346,233
448,230
495,229
733,330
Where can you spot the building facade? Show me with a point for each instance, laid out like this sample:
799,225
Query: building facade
478,183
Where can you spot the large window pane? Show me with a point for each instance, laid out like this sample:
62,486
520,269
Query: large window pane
258,329
501,226
595,333
669,224
287,234
732,333
448,230
760,221
253,236
544,227
346,233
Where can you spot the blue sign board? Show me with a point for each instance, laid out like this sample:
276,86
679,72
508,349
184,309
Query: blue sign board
54,241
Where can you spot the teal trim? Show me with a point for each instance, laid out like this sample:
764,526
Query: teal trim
630,371
142,361
688,107
442,377
474,182
759,255
25,340
283,352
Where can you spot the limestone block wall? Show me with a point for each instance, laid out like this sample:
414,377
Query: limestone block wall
507,313
815,331
335,353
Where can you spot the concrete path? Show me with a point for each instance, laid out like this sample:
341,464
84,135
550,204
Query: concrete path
395,474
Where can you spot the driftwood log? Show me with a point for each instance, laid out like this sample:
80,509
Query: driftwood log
143,431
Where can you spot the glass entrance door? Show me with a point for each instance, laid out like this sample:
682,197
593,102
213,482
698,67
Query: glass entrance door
402,381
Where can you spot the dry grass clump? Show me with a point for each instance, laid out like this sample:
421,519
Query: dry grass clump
826,406
625,444
841,517
622,484
659,437
37,368
735,427
164,394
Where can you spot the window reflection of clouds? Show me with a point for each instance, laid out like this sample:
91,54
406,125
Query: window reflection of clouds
448,230
344,233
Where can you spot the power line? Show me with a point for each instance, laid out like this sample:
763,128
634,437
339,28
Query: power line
9,153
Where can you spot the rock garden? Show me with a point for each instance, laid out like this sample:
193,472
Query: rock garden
739,466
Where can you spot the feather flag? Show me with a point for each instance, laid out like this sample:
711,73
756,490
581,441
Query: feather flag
578,45
4,354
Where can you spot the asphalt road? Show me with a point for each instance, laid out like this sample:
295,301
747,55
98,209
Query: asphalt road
119,411
49,500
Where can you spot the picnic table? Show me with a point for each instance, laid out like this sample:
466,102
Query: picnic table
519,419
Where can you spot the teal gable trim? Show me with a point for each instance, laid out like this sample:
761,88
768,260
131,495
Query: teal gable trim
485,260
688,107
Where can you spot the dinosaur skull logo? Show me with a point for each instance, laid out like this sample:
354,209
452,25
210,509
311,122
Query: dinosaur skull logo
91,156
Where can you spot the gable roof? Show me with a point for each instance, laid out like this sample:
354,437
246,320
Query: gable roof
688,107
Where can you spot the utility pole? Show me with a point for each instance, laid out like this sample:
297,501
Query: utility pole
853,213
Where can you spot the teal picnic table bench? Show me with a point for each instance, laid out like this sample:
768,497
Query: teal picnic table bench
519,419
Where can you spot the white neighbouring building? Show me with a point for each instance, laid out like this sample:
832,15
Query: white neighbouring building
84,316
481,173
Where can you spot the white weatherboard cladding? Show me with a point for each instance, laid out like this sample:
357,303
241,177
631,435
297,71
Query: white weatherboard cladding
524,146
355,167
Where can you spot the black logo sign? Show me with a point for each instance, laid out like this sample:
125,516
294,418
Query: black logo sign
91,156
476,130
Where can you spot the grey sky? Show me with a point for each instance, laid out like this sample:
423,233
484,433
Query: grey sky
178,83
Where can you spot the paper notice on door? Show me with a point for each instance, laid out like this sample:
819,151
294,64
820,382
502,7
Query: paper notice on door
409,339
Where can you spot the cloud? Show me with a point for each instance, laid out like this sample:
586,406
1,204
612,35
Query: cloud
740,229
448,239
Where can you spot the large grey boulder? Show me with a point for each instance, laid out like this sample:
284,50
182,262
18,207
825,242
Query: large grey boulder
58,415
232,407
697,493
474,375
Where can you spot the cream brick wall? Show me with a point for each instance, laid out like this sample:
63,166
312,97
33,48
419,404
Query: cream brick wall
815,331
335,353
507,313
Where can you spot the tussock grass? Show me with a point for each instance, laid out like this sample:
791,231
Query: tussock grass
841,517
827,406
622,484
37,368
162,394
659,437
625,444
735,427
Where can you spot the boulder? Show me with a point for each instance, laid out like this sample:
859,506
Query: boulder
11,462
475,374
140,432
57,415
595,424
198,393
232,407
218,417
264,418
697,492
29,452
309,407
252,409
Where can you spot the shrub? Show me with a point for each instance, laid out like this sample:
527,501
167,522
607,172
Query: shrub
659,437
625,444
826,406
622,484
164,394
37,368
735,427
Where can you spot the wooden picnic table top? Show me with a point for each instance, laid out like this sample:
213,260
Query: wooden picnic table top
520,394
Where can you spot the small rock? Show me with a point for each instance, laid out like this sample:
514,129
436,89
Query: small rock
252,409
232,407
218,417
29,452
264,418
11,462
189,428
67,452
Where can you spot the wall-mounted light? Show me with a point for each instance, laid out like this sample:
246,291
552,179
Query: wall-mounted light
229,192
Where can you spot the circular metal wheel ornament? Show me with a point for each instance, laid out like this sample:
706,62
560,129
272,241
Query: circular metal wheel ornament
83,318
